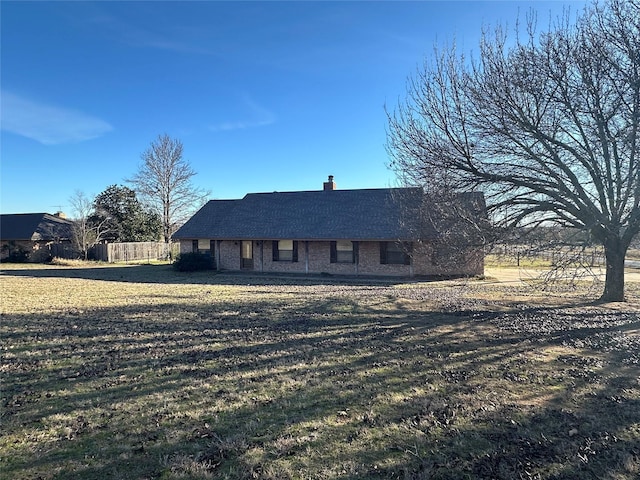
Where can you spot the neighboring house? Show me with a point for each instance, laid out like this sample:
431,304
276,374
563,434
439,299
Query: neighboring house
349,232
34,236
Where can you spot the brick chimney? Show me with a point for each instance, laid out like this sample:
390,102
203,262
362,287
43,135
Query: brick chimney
329,185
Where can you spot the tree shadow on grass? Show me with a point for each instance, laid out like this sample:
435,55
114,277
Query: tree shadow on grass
338,385
113,273
166,274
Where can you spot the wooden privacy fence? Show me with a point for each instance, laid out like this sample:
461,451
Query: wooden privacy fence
136,251
63,250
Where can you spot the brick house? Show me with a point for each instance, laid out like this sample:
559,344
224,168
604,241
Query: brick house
344,232
35,236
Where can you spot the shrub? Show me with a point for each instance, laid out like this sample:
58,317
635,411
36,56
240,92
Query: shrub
18,255
191,262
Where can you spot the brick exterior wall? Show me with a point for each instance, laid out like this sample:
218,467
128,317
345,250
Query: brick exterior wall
314,257
229,255
37,251
426,261
186,246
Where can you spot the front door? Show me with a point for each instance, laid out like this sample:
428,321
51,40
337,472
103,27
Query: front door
246,255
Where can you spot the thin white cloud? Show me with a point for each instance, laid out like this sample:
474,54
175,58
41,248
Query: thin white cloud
226,126
132,35
256,116
146,38
48,124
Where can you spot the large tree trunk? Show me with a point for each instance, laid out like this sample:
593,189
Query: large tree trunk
614,252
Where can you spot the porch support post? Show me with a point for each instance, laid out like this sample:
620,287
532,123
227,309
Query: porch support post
356,246
306,256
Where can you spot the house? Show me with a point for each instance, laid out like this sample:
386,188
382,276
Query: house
381,231
34,236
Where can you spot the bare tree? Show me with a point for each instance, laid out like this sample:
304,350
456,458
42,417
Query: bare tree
90,227
163,181
546,125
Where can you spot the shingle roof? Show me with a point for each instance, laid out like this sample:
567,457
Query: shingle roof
207,220
367,214
34,227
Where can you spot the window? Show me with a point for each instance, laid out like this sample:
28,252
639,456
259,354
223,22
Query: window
201,245
285,251
204,246
395,253
343,251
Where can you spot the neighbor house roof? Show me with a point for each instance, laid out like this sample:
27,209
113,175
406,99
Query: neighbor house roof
365,214
34,227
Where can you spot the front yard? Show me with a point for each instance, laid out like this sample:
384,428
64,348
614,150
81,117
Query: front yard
139,372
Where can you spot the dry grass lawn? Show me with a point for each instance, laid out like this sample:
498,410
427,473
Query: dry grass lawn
140,372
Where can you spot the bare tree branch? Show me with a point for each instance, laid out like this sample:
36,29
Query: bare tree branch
90,227
163,181
546,126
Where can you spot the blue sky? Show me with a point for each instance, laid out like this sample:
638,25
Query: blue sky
265,96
